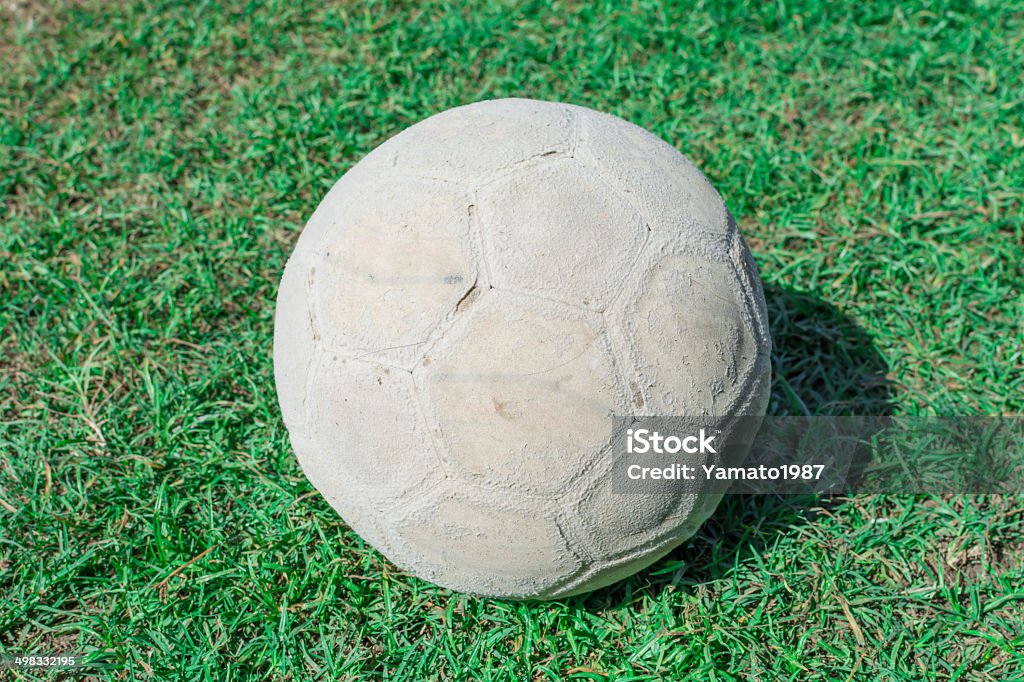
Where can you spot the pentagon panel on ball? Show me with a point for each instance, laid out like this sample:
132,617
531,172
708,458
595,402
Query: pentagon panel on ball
468,309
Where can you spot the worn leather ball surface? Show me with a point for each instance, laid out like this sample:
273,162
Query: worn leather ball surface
466,310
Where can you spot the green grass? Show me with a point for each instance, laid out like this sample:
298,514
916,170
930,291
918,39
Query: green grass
159,160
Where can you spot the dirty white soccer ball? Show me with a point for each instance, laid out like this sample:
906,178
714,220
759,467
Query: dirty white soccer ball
466,310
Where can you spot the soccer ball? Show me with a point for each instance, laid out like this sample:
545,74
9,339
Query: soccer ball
466,310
